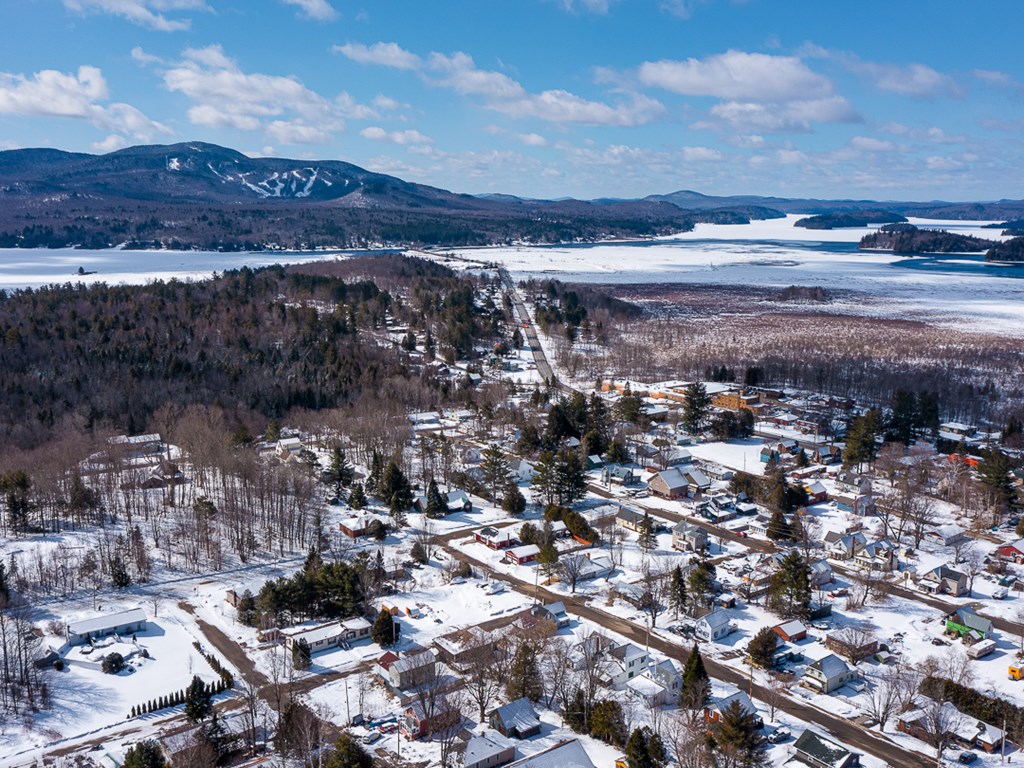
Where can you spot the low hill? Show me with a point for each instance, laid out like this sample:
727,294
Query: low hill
849,219
1011,250
906,238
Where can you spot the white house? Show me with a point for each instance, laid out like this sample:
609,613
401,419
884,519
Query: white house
123,623
714,626
827,674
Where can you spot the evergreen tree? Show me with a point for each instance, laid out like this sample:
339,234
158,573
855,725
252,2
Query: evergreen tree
512,501
571,477
545,481
736,739
644,749
198,704
144,754
349,753
789,593
548,555
341,471
860,440
617,453
385,629
778,528
5,591
607,722
16,487
302,657
761,648
903,417
436,504
928,411
357,497
119,576
524,678
394,489
677,591
630,408
994,474
696,407
376,470
645,533
696,686
494,471
700,582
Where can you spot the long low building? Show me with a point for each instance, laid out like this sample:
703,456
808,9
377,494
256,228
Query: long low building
123,623
326,636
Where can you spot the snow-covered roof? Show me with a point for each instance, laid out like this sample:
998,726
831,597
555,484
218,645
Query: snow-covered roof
793,627
106,621
645,686
518,715
483,747
830,666
823,751
524,551
716,619
746,705
314,635
567,754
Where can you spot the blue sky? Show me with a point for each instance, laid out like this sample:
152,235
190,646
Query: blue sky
917,99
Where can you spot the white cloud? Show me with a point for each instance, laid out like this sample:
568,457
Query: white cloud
934,134
112,143
939,163
531,139
590,6
790,157
701,155
458,72
996,78
385,102
915,80
794,116
376,133
318,10
737,75
142,57
61,94
869,144
381,54
224,95
145,13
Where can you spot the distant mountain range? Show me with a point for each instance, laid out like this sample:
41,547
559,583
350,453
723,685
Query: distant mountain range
197,195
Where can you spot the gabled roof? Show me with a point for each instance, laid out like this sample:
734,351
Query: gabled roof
716,619
106,621
566,754
484,746
740,697
792,627
830,666
416,661
943,572
517,715
627,651
971,620
556,609
823,750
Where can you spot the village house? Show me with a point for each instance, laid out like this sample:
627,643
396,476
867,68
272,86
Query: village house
792,631
688,537
943,580
516,720
820,573
415,723
966,732
409,670
631,519
358,525
714,711
554,612
816,493
620,474
165,474
565,754
1013,551
827,674
497,538
123,624
332,635
455,500
667,674
522,555
137,446
458,648
881,555
844,547
856,503
679,483
488,750
947,535
589,568
816,751
713,626
967,625
851,647
623,663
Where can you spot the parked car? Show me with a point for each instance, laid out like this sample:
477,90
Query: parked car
966,758
999,593
778,736
839,592
371,737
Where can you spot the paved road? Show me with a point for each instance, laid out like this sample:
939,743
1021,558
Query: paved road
543,367
843,730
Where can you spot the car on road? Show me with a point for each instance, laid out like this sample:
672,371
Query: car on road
741,534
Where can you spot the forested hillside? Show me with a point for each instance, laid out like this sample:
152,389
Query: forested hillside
906,238
251,341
